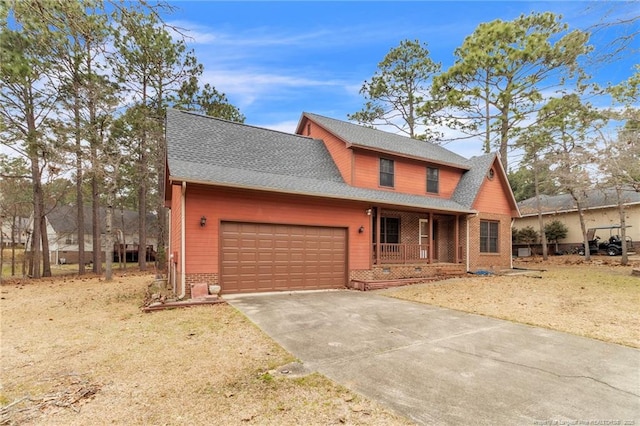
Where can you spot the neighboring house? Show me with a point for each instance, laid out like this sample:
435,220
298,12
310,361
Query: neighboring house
600,210
19,229
62,231
337,204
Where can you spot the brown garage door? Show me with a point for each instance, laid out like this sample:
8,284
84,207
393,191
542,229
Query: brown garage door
270,257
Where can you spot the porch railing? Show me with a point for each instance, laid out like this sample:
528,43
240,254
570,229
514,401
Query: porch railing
402,253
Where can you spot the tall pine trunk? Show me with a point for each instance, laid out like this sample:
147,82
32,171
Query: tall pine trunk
46,259
142,216
13,244
109,238
32,146
160,167
536,184
583,226
95,166
79,181
142,189
95,225
36,236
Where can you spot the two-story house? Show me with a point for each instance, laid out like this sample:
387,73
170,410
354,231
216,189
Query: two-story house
335,205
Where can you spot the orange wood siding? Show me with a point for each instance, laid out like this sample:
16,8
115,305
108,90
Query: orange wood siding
449,178
410,176
341,155
493,196
220,204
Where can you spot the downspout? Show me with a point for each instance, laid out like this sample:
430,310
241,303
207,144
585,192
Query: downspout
183,278
171,274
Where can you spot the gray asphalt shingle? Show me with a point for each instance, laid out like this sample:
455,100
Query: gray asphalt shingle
377,139
210,150
211,142
595,198
470,183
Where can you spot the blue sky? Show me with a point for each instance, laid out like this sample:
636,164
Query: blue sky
275,60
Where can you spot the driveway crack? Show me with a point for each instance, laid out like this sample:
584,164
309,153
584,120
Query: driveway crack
530,367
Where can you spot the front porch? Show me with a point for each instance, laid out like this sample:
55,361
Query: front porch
412,246
404,237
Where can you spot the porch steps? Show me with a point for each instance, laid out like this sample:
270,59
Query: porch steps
367,285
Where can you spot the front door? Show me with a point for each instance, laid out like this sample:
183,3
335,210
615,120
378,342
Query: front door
423,237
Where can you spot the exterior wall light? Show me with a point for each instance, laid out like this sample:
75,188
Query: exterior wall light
361,230
369,212
203,221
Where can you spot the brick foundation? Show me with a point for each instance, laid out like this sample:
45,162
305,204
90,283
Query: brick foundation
394,272
402,274
194,279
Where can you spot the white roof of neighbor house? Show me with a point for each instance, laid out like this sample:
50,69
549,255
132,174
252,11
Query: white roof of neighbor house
593,198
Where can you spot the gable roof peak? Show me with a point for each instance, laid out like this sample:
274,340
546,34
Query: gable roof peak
382,141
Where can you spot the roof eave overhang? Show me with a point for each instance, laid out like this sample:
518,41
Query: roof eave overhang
328,196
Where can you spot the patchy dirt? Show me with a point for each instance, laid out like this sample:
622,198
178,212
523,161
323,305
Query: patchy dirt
597,299
79,351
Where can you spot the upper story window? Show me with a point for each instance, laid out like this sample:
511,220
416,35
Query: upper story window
488,236
433,177
386,172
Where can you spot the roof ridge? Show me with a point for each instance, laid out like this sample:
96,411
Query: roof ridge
373,128
200,115
361,136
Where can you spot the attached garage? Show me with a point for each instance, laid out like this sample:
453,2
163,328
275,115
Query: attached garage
258,257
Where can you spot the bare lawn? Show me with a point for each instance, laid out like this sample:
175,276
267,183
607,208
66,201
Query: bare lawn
598,299
80,351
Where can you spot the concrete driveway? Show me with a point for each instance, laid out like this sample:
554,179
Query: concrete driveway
438,366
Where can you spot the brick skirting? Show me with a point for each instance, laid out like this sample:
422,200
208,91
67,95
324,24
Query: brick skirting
199,278
391,275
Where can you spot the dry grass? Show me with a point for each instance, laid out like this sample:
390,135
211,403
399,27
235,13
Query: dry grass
56,270
80,351
598,299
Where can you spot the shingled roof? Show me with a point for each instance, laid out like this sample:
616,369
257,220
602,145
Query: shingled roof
202,149
594,199
467,190
63,219
366,137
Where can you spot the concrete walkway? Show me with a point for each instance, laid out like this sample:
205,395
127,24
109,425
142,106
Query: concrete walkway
438,366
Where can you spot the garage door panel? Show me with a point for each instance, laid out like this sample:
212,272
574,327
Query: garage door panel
297,257
268,257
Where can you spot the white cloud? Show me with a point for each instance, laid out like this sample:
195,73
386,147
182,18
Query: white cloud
265,36
245,86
